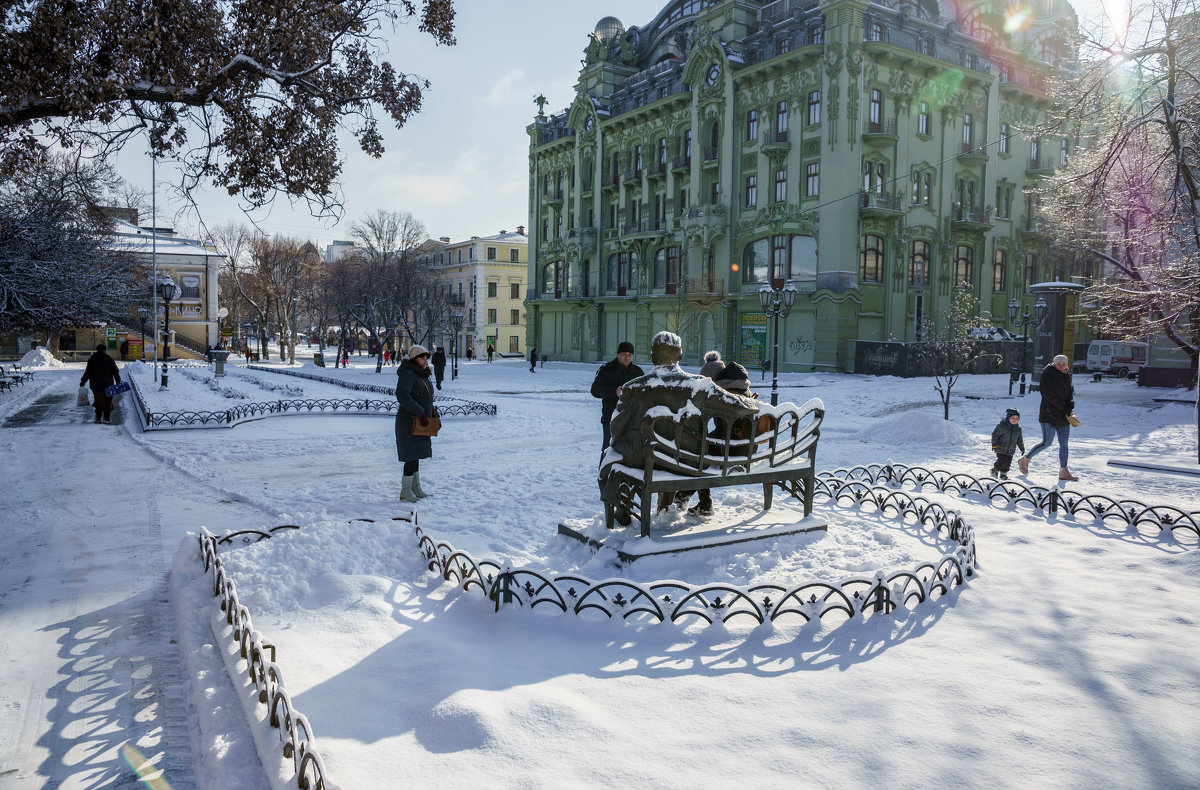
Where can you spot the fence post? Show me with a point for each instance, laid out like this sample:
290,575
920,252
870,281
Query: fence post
1053,500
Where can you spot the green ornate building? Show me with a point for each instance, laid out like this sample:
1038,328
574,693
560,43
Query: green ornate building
875,155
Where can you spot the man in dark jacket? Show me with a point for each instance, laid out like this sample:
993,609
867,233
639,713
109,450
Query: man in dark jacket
101,371
610,378
1058,401
438,360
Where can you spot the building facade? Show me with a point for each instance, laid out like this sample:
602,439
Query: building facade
874,155
484,281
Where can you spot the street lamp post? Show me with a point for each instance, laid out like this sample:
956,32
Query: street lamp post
776,301
166,291
456,322
143,313
1040,308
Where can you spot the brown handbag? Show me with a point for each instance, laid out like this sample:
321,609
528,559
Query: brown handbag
1074,421
430,428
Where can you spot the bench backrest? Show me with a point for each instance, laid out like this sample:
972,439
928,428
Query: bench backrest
781,439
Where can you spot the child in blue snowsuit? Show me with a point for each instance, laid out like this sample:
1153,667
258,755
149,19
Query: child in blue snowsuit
1006,440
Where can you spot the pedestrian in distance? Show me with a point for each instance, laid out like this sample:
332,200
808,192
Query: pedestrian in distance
490,351
124,350
1007,438
533,359
1054,415
100,372
439,365
610,380
415,398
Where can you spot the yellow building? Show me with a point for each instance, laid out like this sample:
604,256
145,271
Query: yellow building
484,278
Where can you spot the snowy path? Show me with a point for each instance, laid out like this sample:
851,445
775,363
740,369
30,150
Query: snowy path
84,610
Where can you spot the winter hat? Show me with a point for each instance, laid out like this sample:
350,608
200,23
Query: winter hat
417,351
1011,413
734,377
713,365
625,347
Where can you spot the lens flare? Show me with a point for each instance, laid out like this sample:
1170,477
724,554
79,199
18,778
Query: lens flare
1015,20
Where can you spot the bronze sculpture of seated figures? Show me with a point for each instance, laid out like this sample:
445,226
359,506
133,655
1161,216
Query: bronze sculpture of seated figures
666,390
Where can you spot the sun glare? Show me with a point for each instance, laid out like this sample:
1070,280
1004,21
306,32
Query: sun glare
1015,20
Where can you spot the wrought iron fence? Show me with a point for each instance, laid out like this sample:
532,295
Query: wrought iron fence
454,406
673,601
295,732
243,412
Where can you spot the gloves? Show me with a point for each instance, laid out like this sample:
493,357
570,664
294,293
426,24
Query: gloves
424,422
993,448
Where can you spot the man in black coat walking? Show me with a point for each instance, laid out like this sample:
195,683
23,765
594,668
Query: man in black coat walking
610,378
438,360
101,371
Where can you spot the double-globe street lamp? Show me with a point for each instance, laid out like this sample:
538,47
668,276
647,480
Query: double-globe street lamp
1040,309
776,301
143,313
456,323
167,290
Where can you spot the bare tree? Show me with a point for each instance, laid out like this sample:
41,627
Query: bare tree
250,95
389,286
953,346
1131,199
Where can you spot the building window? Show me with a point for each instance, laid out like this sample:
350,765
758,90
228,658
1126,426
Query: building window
714,193
812,179
687,145
491,251
189,284
662,152
923,188
514,345
493,287
963,259
780,186
1035,150
514,290
492,316
870,264
514,317
814,107
781,121
875,31
875,117
1005,133
714,138
751,191
968,131
918,264
1030,270
637,160
666,269
514,256
999,271
545,235
816,34
1004,194
873,176
619,268
923,119
791,257
1062,153
752,125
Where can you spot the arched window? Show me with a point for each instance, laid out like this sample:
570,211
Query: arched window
755,257
870,265
1000,271
918,264
963,258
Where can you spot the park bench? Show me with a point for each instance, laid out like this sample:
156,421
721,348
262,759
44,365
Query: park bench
782,453
11,377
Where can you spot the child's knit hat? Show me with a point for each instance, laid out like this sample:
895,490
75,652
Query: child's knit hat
1011,413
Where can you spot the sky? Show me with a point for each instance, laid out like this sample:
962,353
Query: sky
461,165
1068,661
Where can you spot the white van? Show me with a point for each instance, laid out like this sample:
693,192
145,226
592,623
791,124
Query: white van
1119,358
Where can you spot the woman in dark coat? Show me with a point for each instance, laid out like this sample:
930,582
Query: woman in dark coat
1058,400
415,396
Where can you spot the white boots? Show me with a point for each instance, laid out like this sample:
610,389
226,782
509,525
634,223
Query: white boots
410,488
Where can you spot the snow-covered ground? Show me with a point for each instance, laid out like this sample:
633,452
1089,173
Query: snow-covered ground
1067,661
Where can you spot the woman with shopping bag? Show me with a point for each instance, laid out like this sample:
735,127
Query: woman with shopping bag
416,420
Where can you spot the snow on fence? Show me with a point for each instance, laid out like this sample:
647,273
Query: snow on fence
295,733
1137,519
673,601
452,405
244,412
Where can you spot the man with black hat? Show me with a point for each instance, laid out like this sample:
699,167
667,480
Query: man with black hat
610,379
